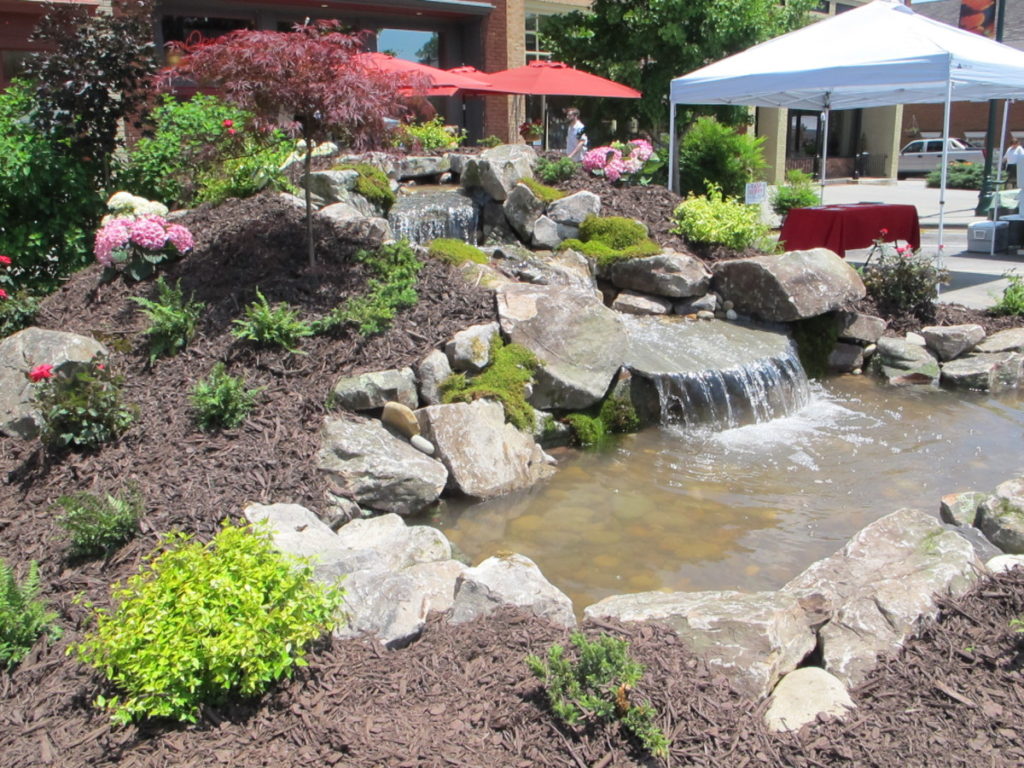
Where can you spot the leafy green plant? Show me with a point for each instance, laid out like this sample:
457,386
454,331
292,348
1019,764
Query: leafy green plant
82,410
98,525
277,326
711,153
393,288
455,252
372,183
428,136
172,320
555,171
1012,301
714,219
489,142
596,685
23,616
543,192
588,431
900,280
221,401
959,176
17,311
200,623
505,379
797,192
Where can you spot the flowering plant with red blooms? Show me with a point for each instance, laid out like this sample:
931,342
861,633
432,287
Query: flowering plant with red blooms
17,305
41,372
900,279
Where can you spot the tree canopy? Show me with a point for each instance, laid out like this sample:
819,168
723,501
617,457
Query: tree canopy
646,43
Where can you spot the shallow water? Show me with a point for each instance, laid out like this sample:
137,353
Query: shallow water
751,507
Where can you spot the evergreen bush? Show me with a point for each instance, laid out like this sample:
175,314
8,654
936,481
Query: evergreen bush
711,153
277,326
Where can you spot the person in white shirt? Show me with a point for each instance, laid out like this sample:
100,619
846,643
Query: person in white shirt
575,135
1015,156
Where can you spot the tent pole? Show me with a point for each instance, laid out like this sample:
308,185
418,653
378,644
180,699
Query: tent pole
673,181
824,150
999,176
544,119
945,168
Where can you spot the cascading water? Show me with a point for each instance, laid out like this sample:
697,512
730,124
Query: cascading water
425,216
720,375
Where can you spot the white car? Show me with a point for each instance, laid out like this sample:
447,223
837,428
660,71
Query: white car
925,155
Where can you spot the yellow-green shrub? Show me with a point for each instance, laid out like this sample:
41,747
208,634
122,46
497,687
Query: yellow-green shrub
716,220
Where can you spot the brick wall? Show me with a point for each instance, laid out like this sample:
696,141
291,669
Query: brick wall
963,116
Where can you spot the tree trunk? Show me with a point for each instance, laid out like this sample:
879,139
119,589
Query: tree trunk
309,203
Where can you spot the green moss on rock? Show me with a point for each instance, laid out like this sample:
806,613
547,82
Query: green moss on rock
505,379
455,252
372,183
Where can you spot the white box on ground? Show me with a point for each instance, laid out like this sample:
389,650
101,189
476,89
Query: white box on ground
981,233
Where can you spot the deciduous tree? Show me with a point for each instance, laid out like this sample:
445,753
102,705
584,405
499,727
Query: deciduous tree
308,82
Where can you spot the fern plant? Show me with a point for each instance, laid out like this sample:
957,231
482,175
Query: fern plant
172,320
23,616
221,401
99,525
277,326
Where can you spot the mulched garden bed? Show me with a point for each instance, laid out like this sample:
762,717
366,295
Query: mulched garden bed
459,695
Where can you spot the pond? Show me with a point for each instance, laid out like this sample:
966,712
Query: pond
746,508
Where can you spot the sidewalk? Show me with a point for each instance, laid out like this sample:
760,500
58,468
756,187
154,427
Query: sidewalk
976,278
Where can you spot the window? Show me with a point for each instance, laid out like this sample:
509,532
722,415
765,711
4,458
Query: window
533,48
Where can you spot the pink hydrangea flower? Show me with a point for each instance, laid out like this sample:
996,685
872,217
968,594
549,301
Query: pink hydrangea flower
642,150
180,238
41,372
614,169
149,232
112,236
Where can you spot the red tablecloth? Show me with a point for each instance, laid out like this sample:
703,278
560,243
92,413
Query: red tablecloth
843,227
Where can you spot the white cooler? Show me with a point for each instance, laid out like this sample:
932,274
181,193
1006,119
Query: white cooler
981,233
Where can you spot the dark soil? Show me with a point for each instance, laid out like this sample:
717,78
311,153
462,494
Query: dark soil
458,696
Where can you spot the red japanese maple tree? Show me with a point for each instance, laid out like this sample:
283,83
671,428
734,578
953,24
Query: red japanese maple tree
308,82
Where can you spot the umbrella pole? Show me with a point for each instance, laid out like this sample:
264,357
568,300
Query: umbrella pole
824,151
544,119
673,182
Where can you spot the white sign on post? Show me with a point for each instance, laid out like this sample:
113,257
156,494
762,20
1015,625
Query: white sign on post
757,192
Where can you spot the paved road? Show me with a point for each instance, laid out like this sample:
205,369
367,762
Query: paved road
977,278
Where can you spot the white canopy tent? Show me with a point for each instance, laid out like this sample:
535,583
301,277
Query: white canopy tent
876,55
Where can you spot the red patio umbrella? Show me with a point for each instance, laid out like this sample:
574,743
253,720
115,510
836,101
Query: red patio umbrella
421,78
553,78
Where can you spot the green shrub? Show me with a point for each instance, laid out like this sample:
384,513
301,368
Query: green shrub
797,192
48,199
17,311
596,685
712,153
1012,301
393,288
203,622
277,326
428,136
614,231
455,252
172,320
23,616
201,151
99,525
505,379
555,171
959,176
489,142
372,183
713,219
221,400
83,410
900,280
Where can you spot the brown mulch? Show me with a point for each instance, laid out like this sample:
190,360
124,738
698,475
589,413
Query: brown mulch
460,695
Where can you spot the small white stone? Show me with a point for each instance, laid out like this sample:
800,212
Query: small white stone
705,314
856,371
869,350
420,443
730,314
802,695
1004,563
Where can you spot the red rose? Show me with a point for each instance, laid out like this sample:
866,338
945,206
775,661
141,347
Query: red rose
5,259
3,293
41,372
232,131
228,123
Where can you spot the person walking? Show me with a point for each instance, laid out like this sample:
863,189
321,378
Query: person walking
1015,156
575,135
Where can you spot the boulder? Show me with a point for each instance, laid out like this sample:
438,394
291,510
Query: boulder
753,639
522,209
509,580
498,170
881,585
494,225
951,341
547,234
570,211
579,342
485,456
470,349
901,362
803,695
985,371
845,357
339,187
376,469
1001,517
670,274
20,352
399,545
400,418
706,303
369,391
634,303
566,268
794,286
350,225
431,373
961,509
858,327
1010,340
422,166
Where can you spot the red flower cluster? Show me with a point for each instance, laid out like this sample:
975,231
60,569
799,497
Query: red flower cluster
229,125
41,372
5,261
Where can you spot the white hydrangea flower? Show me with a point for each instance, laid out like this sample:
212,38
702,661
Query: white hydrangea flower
144,207
122,202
